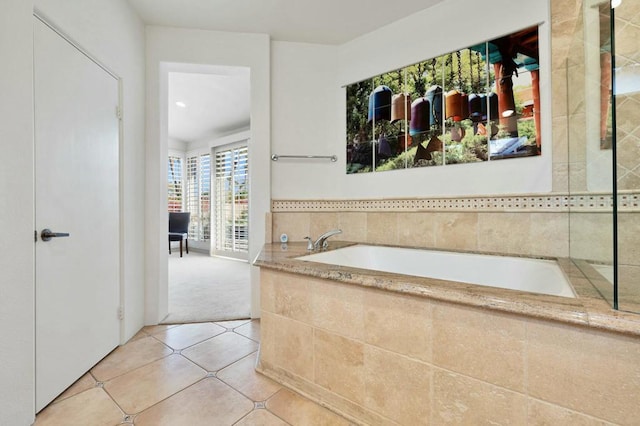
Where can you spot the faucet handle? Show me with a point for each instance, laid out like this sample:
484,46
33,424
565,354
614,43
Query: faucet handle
309,243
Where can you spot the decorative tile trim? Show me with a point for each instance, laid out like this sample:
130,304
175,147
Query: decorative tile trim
592,202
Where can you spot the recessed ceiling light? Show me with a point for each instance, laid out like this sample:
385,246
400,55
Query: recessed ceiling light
181,104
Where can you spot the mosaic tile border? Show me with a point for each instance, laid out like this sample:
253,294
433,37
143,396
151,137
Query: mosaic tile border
627,202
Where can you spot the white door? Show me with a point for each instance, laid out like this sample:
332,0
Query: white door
76,166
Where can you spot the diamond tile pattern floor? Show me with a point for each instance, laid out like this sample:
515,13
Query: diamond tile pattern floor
188,374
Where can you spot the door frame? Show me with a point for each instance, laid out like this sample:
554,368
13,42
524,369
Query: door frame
42,18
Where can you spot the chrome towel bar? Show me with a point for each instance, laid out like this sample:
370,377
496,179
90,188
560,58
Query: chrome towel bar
276,157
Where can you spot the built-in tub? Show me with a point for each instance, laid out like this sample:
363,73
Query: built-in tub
383,347
516,273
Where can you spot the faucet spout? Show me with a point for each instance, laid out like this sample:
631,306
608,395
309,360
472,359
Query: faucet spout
321,242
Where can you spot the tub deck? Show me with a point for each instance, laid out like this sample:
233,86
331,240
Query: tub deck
588,308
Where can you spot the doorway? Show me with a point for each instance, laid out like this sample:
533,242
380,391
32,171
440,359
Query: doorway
208,107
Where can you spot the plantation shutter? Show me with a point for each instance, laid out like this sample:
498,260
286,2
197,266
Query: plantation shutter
232,201
174,184
198,196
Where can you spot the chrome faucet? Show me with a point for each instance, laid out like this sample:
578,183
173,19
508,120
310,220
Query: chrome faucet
321,242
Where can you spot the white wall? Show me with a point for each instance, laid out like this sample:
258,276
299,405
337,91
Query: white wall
112,33
17,295
308,107
178,145
167,50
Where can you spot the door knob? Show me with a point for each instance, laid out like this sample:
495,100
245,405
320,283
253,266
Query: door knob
47,234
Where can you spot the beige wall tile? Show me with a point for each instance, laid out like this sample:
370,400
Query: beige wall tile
564,10
295,225
628,148
322,222
416,229
629,288
398,323
267,289
575,89
628,179
549,234
287,344
560,181
560,47
628,232
483,344
268,227
456,230
560,140
504,232
460,400
296,410
577,176
288,295
382,228
590,372
559,105
544,414
338,308
627,37
577,138
339,365
354,226
591,236
630,11
397,387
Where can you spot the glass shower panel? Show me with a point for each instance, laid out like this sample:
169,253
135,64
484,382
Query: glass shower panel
590,157
625,25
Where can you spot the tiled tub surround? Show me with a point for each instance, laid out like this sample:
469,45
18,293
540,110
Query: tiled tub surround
531,225
382,348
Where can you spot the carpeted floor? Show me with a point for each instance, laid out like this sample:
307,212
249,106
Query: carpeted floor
204,288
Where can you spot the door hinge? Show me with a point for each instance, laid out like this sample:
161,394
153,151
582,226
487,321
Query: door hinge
118,113
120,313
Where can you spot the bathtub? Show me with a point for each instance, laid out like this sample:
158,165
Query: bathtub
515,273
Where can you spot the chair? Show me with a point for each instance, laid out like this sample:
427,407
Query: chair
179,229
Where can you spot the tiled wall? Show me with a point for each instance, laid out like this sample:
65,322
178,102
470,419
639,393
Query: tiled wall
543,234
535,225
381,357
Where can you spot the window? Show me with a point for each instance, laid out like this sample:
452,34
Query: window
174,184
232,200
198,196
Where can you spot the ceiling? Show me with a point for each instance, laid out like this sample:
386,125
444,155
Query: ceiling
214,103
317,21
227,94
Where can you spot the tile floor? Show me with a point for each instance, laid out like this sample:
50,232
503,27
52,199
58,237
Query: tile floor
188,374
